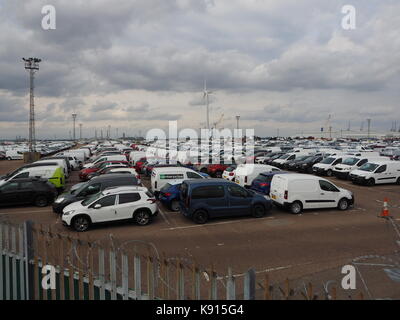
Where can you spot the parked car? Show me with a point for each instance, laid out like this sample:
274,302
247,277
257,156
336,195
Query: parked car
326,166
108,169
202,200
377,172
262,183
14,155
216,170
170,193
135,204
91,187
246,173
50,171
342,170
163,175
83,174
303,191
35,191
307,164
229,173
291,164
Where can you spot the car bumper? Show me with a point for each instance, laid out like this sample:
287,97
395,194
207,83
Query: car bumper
358,179
58,207
341,174
319,171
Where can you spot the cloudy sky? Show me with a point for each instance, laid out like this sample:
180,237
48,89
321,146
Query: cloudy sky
135,64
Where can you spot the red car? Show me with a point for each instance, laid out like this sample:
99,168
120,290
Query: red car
216,170
85,172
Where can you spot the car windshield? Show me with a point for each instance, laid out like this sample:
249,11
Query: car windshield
370,167
230,169
285,156
327,161
91,199
351,161
77,191
301,158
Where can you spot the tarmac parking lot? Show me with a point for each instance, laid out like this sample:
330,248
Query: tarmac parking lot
285,245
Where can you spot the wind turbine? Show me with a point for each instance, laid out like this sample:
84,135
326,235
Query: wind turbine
206,95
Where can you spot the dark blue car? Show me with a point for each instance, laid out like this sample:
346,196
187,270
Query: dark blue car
262,183
170,194
210,198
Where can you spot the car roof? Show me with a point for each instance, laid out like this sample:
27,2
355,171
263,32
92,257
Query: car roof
382,161
294,176
106,177
269,173
175,168
124,189
207,182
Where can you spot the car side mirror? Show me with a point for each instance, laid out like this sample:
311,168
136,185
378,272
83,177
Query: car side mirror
97,206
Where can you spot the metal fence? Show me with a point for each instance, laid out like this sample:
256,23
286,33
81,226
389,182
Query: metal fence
111,270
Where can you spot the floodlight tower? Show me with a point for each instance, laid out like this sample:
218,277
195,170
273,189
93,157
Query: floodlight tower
32,65
74,115
80,131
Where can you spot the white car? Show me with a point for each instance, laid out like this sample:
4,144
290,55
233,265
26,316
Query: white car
136,204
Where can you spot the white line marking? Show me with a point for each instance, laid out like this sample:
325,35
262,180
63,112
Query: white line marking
164,216
212,224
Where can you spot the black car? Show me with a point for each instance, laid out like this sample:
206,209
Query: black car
273,157
93,186
291,164
35,191
307,164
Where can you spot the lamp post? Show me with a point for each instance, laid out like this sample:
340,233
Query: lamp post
32,65
74,115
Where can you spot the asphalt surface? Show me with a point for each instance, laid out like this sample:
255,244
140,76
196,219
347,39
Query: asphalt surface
314,245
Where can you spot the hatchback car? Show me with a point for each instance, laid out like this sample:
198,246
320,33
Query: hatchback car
35,191
91,187
201,200
135,204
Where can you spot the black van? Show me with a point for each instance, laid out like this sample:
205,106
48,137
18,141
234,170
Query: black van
93,186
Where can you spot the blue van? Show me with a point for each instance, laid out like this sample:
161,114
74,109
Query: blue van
203,199
262,183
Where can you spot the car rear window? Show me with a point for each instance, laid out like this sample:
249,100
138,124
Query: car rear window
128,197
208,192
264,178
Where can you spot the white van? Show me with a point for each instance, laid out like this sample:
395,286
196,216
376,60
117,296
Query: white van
326,166
14,155
61,163
246,173
163,175
303,191
53,173
377,172
116,157
342,170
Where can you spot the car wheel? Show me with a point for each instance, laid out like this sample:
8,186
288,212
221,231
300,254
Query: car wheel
296,207
370,182
8,158
398,181
258,211
329,173
81,223
175,205
41,201
200,217
343,204
142,217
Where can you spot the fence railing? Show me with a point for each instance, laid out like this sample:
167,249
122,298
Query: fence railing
37,262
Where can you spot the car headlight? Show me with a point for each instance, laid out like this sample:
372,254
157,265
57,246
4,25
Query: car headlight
68,213
59,200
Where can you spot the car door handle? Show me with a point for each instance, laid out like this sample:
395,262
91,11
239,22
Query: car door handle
322,194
